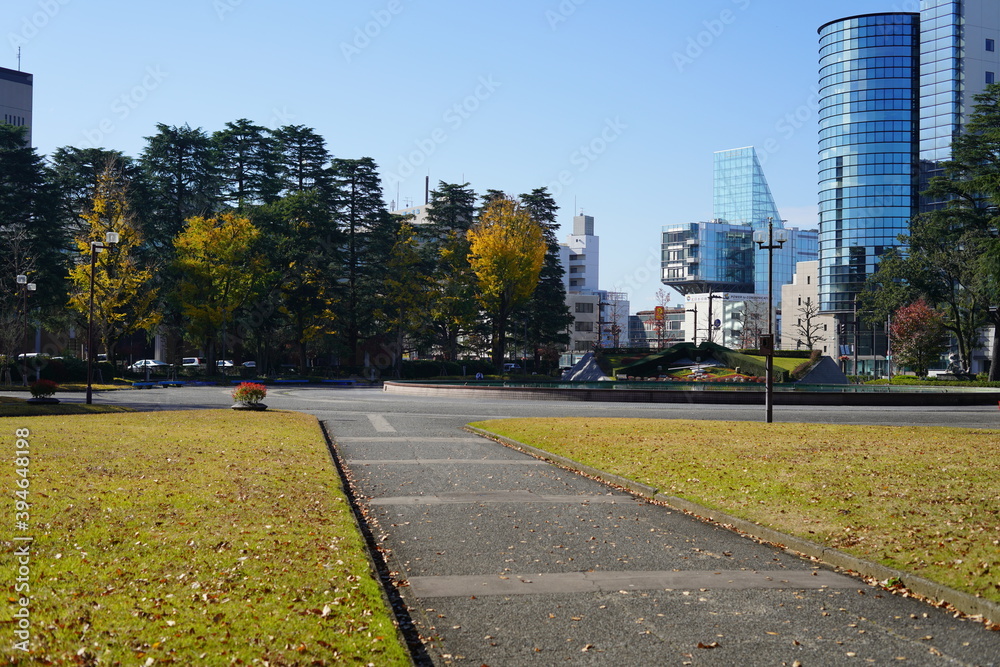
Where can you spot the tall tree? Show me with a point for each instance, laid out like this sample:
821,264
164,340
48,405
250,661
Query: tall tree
407,292
248,164
76,172
302,160
180,168
453,310
546,313
917,336
370,235
220,270
124,298
506,252
29,208
303,243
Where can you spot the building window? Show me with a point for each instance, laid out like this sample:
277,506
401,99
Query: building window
808,280
584,307
584,326
577,269
575,282
800,300
577,258
989,77
990,46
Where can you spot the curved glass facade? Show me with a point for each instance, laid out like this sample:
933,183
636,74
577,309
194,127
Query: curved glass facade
868,144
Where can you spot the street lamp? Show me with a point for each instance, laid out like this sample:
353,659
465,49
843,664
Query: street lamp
26,287
769,242
110,238
695,311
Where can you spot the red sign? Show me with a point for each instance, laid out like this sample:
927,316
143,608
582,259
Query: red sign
659,312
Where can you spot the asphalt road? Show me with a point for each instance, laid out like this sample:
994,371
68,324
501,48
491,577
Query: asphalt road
505,560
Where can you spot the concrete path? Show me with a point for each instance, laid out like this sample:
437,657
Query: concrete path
506,560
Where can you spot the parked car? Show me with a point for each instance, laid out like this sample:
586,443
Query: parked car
193,362
224,363
153,365
249,364
511,367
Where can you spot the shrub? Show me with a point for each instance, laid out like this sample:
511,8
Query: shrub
249,392
43,388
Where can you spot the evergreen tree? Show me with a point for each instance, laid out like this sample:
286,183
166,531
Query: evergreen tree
179,164
248,164
370,233
302,160
546,314
29,210
453,309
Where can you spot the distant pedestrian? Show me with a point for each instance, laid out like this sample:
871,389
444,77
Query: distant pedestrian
479,375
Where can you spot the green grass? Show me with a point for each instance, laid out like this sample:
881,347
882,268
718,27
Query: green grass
19,407
193,538
783,363
920,499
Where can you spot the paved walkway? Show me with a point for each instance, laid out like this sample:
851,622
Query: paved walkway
507,560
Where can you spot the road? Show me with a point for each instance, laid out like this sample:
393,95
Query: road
506,560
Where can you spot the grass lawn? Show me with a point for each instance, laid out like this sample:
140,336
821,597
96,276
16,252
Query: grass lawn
19,407
920,499
191,538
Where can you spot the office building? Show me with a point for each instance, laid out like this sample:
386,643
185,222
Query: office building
15,99
895,90
719,259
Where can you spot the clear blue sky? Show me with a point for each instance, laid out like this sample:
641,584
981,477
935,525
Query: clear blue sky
616,106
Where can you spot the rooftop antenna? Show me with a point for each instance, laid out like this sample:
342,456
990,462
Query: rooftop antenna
19,59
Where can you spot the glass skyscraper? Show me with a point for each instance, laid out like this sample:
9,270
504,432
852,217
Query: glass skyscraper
741,196
720,256
869,116
895,90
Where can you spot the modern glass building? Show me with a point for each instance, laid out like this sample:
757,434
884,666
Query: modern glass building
869,119
720,256
895,90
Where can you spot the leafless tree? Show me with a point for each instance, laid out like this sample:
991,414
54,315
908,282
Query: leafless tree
807,328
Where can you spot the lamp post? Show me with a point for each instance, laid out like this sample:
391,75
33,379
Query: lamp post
769,242
110,238
26,287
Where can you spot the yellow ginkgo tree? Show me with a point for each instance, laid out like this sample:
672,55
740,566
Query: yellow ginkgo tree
125,299
506,252
219,271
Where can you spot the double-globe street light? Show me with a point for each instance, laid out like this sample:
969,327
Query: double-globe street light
110,238
769,241
26,287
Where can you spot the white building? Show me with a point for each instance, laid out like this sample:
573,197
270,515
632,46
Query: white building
800,313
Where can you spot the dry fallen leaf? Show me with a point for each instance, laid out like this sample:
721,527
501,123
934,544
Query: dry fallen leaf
709,645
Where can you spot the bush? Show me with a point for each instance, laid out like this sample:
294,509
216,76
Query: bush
249,392
43,388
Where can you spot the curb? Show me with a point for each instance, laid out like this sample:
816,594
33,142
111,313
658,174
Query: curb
934,593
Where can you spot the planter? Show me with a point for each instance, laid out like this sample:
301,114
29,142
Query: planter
43,400
249,406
